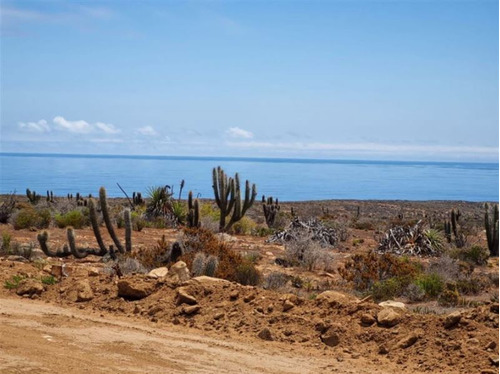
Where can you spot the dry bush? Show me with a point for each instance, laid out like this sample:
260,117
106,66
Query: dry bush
154,257
275,280
130,265
305,252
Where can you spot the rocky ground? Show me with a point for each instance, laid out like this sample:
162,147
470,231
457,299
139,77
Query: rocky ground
83,318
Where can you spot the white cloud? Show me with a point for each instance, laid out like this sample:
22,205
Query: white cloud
79,127
236,132
40,126
147,131
108,128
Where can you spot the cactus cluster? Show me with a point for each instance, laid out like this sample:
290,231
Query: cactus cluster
137,198
491,226
204,265
271,208
228,197
193,216
453,230
32,196
50,196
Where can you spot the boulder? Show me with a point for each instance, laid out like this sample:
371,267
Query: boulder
183,297
179,272
388,317
30,287
265,334
135,288
334,298
80,291
158,273
393,304
452,319
206,280
330,338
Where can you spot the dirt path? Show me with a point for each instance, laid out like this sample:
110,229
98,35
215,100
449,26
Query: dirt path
39,338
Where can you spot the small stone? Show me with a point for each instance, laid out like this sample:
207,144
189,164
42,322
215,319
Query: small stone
287,305
192,309
355,355
234,295
393,304
218,316
249,298
80,291
494,361
407,341
452,320
367,319
29,287
288,332
176,321
382,350
491,345
473,341
494,308
179,272
158,273
183,297
330,338
388,317
93,272
265,334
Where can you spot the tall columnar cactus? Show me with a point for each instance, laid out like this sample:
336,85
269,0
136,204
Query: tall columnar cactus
32,196
43,239
491,226
95,227
128,230
228,197
107,220
193,216
270,208
452,228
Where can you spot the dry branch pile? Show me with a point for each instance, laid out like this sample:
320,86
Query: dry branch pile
407,240
297,229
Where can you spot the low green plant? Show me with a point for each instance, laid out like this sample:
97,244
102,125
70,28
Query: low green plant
29,217
13,282
179,212
6,239
245,226
49,280
74,218
431,283
387,289
435,238
475,254
247,274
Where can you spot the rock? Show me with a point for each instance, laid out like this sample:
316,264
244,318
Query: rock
473,341
158,273
17,258
80,291
47,269
225,237
59,271
367,319
183,297
408,341
134,288
287,305
191,309
382,350
334,298
388,317
29,287
218,316
179,272
452,320
205,280
249,298
265,334
494,361
330,338
93,272
494,308
393,304
491,345
234,295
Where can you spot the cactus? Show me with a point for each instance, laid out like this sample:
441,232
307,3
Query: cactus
81,252
128,230
270,208
211,265
193,216
95,227
43,238
137,198
491,226
50,196
107,220
453,229
228,197
198,266
33,197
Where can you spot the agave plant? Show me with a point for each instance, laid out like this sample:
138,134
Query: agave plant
160,201
435,239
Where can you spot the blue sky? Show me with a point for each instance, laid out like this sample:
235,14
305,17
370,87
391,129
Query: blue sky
400,80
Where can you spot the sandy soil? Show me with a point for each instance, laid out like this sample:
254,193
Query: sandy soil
39,338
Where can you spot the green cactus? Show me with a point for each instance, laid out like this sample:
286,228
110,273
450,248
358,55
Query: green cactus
80,252
95,227
43,238
105,214
193,216
491,226
211,264
270,208
33,197
128,230
228,197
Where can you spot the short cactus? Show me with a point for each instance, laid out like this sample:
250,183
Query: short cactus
32,196
491,226
271,208
43,239
193,216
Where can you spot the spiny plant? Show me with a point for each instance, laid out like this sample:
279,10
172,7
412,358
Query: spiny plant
50,196
107,220
270,208
453,229
491,226
228,197
204,265
32,196
160,203
193,216
137,198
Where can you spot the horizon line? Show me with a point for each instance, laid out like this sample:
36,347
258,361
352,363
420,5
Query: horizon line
237,158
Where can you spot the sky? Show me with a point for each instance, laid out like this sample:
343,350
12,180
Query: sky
376,80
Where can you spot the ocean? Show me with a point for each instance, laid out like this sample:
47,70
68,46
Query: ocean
287,179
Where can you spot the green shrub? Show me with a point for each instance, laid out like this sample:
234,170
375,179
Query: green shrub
431,283
387,289
31,218
179,212
74,218
208,210
247,274
470,286
13,282
245,226
6,239
475,254
49,280
435,238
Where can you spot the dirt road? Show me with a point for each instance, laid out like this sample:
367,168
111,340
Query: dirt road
36,337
